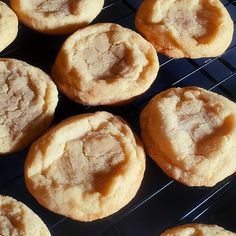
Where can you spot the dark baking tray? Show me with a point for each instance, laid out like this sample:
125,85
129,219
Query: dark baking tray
160,202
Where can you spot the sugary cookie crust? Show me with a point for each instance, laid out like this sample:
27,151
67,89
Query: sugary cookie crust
197,230
191,134
180,28
16,219
105,64
8,26
56,16
28,99
89,173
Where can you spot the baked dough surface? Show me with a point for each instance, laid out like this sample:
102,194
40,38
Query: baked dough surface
87,167
105,64
186,28
191,134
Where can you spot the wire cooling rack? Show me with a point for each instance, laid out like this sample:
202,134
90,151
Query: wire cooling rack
160,202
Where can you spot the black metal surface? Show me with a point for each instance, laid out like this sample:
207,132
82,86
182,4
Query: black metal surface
160,202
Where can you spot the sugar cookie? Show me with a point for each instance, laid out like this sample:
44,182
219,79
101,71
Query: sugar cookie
191,134
16,219
28,99
56,16
105,64
180,28
8,26
89,173
197,230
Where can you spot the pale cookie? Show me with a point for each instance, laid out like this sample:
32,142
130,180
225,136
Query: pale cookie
197,230
186,28
8,26
28,99
105,64
16,219
191,134
56,16
87,167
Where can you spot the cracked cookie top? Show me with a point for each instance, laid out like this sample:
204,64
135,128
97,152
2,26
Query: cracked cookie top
89,173
105,64
56,16
16,219
197,230
8,26
28,99
180,28
191,134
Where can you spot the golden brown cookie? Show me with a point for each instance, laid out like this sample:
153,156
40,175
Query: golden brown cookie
180,28
105,64
197,230
56,16
87,167
16,219
28,99
191,134
8,26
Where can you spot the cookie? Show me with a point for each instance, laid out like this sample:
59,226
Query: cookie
197,230
8,26
56,16
180,28
191,134
89,173
105,64
16,219
28,99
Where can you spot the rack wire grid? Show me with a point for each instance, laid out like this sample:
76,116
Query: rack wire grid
161,202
